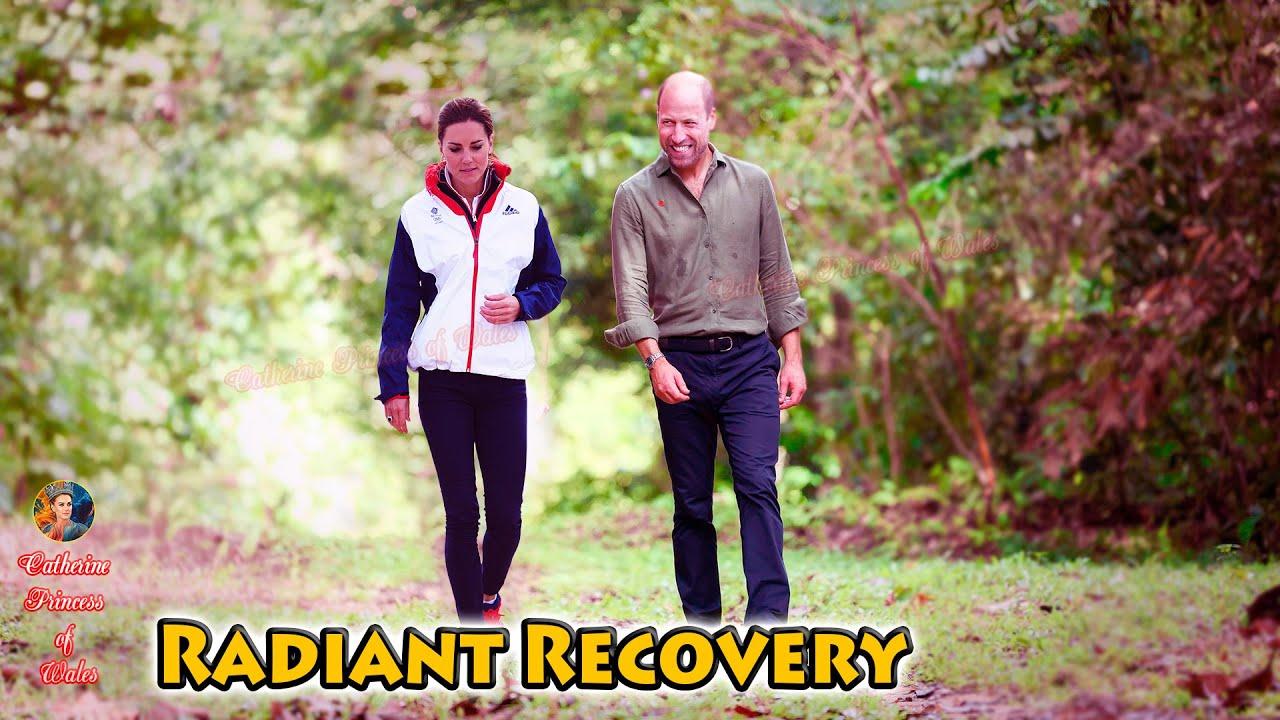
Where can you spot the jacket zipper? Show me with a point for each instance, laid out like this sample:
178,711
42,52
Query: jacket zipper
475,278
474,224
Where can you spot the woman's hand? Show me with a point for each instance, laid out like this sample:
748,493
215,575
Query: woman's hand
397,411
500,308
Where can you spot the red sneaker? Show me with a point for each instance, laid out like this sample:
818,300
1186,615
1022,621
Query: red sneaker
493,615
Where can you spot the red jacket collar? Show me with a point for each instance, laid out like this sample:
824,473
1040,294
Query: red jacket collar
435,170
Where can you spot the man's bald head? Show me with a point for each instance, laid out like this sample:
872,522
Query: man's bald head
688,81
686,116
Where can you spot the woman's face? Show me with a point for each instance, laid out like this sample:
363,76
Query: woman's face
466,152
62,507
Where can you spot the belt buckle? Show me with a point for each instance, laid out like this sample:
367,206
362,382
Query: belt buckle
726,348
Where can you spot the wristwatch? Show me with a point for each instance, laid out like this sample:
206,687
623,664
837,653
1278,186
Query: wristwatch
653,359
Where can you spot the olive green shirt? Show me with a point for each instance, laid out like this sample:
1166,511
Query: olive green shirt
709,266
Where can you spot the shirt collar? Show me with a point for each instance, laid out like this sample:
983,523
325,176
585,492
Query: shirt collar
662,165
474,203
448,180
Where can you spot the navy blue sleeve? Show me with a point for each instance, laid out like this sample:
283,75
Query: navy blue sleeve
399,317
541,285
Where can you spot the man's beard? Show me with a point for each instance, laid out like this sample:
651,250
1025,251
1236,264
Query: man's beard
693,158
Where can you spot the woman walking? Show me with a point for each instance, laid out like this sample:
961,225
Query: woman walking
475,253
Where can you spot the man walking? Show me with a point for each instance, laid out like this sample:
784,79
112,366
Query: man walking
705,291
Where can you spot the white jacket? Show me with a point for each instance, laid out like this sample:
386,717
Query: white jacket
454,261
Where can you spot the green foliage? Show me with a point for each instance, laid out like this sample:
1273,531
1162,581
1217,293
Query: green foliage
196,188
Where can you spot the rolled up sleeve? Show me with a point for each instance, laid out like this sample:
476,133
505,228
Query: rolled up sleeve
783,306
630,274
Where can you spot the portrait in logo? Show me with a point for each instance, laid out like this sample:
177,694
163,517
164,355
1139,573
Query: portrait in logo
63,511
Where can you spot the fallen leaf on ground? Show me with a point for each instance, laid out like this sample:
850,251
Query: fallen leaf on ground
1259,682
1266,627
1265,607
1001,607
12,672
467,707
745,711
1206,685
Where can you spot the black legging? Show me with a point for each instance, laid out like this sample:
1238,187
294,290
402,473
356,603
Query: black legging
461,411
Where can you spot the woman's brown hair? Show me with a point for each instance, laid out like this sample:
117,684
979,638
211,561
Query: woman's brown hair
461,110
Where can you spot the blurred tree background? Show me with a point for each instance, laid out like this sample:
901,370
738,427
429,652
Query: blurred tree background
1038,240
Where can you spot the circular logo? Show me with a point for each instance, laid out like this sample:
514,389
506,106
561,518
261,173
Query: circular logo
63,511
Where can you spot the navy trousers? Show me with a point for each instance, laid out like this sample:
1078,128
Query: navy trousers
468,416
735,393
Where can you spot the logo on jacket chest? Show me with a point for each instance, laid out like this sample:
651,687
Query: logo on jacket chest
435,216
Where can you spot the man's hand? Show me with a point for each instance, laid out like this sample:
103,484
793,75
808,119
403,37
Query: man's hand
791,384
668,383
397,408
500,308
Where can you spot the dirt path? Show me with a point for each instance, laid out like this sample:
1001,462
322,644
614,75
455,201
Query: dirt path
154,569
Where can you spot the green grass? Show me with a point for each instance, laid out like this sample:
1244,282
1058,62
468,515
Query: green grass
1020,626
1017,631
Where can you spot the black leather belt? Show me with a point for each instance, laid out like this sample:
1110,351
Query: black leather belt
704,343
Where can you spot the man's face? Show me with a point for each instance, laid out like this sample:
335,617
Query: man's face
684,125
62,507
